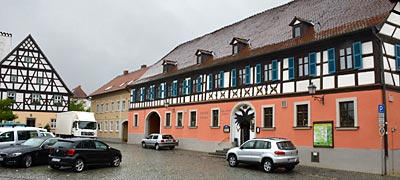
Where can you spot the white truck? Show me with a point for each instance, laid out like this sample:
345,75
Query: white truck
76,124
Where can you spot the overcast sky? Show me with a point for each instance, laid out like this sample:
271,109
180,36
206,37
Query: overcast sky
90,42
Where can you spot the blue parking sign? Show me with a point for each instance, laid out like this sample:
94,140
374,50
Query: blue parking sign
381,108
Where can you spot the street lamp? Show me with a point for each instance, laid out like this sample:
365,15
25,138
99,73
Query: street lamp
311,90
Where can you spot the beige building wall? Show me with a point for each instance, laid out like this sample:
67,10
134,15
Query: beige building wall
111,111
40,118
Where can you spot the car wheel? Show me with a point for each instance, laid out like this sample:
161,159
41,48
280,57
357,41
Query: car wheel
55,167
27,161
268,165
289,167
79,165
232,160
172,147
157,147
116,161
143,145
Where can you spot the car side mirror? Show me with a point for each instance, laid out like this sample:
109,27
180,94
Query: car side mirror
241,147
45,146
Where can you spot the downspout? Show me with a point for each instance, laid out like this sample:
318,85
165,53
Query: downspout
383,84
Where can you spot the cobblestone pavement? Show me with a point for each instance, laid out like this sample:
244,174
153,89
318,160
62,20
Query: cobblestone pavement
138,163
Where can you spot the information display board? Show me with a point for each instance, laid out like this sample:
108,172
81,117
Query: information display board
323,134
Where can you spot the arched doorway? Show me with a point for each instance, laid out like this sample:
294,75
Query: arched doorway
125,131
242,123
153,123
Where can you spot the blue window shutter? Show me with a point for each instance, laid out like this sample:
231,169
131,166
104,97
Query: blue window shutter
152,92
159,91
199,84
184,87
233,77
165,90
291,68
357,55
221,79
247,75
174,86
210,81
274,70
331,61
397,54
133,93
258,73
189,85
141,94
313,63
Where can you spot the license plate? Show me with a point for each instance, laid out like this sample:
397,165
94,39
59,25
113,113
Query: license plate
168,140
292,160
55,160
1,159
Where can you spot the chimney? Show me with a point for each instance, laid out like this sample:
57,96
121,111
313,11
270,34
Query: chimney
143,66
125,72
5,44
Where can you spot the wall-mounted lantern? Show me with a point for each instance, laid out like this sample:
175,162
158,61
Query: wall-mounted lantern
311,90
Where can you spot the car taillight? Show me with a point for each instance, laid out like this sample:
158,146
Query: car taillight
162,140
70,152
51,150
279,153
174,140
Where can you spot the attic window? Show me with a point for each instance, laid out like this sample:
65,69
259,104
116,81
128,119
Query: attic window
108,88
301,26
203,55
169,65
239,44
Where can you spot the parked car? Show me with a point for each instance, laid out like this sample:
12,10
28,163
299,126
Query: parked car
159,141
270,153
17,135
32,151
48,134
79,153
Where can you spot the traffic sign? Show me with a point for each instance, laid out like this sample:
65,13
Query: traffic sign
381,131
381,108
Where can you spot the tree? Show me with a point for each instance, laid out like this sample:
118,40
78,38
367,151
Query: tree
5,110
74,105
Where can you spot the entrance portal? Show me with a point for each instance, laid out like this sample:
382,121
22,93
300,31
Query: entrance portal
242,123
153,123
30,122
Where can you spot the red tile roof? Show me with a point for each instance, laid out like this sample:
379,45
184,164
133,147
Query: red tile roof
78,92
120,82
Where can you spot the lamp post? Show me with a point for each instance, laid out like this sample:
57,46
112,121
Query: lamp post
311,90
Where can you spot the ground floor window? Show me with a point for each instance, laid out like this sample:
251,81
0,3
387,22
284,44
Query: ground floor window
135,120
268,117
105,126
179,119
53,123
193,119
346,112
215,118
168,119
302,114
117,126
111,125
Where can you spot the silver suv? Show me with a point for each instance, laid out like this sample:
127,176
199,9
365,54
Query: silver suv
271,153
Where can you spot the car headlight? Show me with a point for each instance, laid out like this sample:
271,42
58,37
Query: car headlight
15,154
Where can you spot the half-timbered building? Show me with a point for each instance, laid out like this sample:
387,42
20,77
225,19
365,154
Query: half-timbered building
28,78
311,71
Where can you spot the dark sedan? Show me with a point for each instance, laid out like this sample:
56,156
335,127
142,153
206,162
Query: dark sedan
32,151
79,153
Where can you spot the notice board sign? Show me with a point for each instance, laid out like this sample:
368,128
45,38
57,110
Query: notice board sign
323,134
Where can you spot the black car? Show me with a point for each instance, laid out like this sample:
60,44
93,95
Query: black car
81,152
32,151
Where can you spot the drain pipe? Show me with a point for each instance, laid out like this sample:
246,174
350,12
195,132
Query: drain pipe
383,84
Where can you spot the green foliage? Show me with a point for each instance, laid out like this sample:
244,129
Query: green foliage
74,105
6,111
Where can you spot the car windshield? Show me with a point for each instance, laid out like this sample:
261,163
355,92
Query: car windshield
285,145
167,137
35,142
87,125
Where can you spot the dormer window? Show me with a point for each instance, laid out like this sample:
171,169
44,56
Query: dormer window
203,55
169,66
239,44
301,27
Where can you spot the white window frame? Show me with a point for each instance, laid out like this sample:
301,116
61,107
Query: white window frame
39,80
170,119
106,108
36,97
13,78
273,115
116,126
11,94
105,126
190,118
102,108
123,105
219,117
111,125
112,106
97,108
135,118
101,126
308,114
354,99
118,106
183,118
